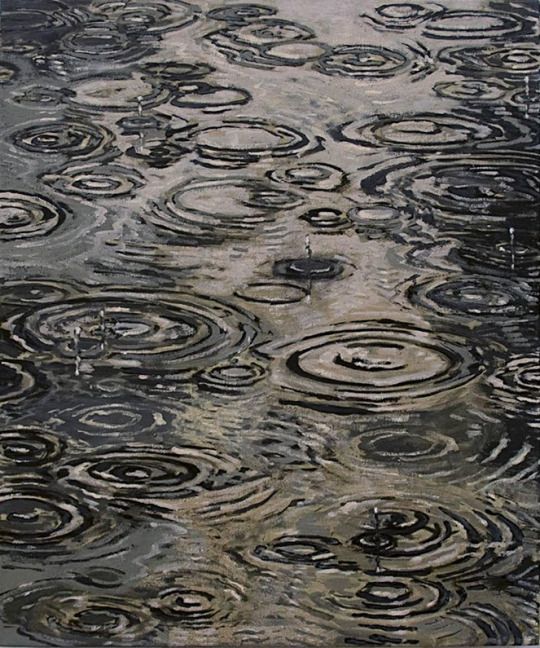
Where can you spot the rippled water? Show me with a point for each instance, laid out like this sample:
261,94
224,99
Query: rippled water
268,323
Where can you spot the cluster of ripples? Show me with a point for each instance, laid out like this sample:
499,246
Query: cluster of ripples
268,323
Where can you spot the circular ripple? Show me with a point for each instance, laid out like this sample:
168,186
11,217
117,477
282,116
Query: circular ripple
135,332
39,520
95,46
171,481
26,216
363,62
373,366
485,189
451,25
474,450
22,447
394,445
77,139
45,16
430,131
123,419
147,16
233,379
209,97
312,176
211,210
30,292
62,614
474,297
470,90
143,472
270,30
384,604
406,535
117,95
273,293
17,380
504,60
311,268
242,141
415,536
197,599
498,256
242,13
266,43
403,15
103,40
91,181
515,386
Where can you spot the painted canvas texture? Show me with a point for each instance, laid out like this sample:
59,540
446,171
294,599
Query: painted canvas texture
269,368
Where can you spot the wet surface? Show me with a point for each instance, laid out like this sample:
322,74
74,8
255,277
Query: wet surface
268,323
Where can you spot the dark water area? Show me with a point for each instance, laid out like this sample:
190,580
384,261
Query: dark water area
269,360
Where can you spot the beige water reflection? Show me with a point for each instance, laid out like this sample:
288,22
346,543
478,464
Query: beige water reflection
268,362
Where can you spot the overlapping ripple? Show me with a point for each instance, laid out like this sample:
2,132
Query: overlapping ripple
65,614
493,190
401,536
259,43
173,482
45,18
95,181
475,298
135,331
64,137
38,520
94,47
213,209
145,16
513,60
431,131
450,448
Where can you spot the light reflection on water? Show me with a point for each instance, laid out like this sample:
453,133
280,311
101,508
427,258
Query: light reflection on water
268,364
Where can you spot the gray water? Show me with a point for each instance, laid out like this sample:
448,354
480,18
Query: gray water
268,326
